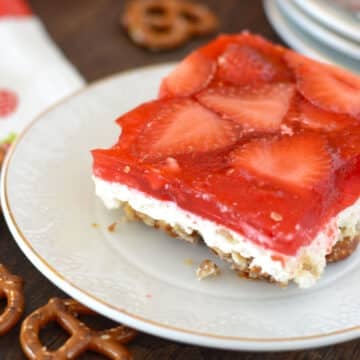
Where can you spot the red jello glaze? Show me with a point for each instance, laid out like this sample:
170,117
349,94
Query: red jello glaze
263,151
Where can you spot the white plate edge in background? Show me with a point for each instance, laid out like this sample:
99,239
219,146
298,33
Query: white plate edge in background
332,20
301,42
322,34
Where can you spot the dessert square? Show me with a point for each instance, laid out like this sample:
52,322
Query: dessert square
250,147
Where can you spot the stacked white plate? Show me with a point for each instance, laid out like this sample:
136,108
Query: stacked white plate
328,30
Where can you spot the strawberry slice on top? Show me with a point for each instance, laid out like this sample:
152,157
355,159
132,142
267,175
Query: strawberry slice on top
326,86
243,65
190,76
182,126
259,109
317,119
298,162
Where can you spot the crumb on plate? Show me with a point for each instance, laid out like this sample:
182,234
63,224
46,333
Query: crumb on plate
112,227
188,262
206,269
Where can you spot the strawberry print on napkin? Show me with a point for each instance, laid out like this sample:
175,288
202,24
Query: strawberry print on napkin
34,74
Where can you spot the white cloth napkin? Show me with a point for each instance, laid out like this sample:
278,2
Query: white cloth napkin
34,74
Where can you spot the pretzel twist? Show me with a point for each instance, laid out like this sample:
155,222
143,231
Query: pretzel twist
11,288
165,24
65,311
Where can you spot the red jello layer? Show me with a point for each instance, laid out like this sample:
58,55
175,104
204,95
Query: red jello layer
247,136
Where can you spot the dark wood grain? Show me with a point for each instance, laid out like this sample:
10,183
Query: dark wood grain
88,32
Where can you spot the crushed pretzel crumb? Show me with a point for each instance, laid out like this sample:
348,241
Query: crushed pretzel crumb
188,262
206,269
112,227
276,216
172,164
95,225
230,171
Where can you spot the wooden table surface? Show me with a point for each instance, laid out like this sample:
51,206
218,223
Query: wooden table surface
88,32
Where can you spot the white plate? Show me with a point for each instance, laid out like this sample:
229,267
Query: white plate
138,275
334,17
319,32
296,38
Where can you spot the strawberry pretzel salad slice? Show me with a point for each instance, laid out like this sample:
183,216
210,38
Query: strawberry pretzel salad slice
250,147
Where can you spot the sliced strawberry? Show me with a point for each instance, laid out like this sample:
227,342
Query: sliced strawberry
252,59
261,109
244,65
273,54
326,86
217,47
183,126
259,42
190,76
314,118
299,161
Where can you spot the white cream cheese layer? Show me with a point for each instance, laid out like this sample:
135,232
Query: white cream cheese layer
304,268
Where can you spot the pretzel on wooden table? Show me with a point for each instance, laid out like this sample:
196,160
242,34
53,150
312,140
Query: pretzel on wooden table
166,24
65,311
11,288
